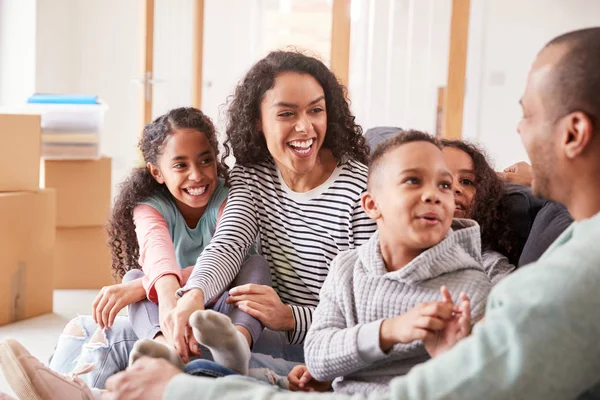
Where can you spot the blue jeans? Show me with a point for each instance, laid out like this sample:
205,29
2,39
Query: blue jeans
73,352
272,352
211,369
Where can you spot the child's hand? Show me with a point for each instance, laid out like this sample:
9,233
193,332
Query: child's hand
300,380
113,299
456,328
420,323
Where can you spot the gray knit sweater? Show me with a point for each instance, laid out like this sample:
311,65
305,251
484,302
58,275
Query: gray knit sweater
495,264
359,293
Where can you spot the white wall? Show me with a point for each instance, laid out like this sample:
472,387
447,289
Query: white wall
17,50
108,58
399,51
173,38
56,67
398,59
502,46
232,38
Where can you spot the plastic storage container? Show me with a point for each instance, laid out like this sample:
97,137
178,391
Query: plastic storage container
70,131
70,117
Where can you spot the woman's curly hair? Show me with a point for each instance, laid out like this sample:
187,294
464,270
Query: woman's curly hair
247,143
140,184
490,203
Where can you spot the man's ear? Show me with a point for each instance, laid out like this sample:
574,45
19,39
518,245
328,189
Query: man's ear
577,133
369,204
155,172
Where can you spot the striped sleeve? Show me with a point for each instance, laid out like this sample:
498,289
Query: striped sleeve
221,260
302,321
362,227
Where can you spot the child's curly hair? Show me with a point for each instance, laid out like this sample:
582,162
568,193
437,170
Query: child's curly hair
490,204
344,137
140,184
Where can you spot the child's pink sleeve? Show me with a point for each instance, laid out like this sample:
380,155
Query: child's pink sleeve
157,253
185,274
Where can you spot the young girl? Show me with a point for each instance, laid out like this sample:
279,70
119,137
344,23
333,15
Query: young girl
164,216
479,195
175,203
380,312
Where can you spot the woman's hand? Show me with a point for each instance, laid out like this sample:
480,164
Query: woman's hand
264,304
113,299
176,324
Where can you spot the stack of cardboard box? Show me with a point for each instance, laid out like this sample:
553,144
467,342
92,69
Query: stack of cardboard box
27,222
82,256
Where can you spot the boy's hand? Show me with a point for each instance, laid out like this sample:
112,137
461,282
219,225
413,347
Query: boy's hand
301,381
113,299
420,323
456,329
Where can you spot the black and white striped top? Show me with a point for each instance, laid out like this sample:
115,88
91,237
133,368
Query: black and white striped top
299,234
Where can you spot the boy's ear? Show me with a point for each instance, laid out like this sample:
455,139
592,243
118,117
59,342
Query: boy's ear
369,204
155,172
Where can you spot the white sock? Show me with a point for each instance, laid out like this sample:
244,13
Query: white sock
227,345
154,349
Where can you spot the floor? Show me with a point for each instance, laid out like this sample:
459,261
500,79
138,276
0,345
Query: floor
39,334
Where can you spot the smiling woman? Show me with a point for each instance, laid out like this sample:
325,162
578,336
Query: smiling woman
297,185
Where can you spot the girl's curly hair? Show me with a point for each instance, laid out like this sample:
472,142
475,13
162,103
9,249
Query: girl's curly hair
247,144
140,184
490,204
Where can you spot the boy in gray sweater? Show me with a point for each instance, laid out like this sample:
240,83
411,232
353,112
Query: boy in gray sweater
380,311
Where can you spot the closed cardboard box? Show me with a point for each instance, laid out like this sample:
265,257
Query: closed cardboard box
82,189
27,240
82,258
19,152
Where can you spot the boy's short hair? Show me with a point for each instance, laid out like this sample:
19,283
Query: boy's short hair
394,142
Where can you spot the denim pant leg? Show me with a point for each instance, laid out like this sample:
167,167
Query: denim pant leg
254,270
273,352
143,315
110,357
69,347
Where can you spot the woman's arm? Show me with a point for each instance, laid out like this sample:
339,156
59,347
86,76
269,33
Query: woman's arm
221,260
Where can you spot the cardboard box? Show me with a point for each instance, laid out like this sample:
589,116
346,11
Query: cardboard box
82,258
83,190
27,239
20,152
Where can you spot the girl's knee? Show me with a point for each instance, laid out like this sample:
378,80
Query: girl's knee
75,329
132,275
98,338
